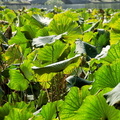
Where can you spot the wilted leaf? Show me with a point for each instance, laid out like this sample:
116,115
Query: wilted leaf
8,32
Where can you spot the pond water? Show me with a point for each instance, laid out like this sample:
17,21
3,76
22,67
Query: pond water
74,6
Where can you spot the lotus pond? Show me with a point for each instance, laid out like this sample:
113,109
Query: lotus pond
59,64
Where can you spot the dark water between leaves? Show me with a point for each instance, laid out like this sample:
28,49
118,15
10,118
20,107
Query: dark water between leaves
74,6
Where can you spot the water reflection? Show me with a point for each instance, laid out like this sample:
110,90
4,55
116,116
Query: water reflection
74,6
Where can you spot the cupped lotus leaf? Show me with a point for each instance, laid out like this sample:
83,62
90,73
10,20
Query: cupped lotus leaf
38,20
96,108
55,67
85,48
73,102
51,53
77,81
103,53
43,20
41,41
17,80
106,76
113,97
113,53
18,114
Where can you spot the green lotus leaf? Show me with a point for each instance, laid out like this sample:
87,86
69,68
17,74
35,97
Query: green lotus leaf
103,39
106,76
114,37
4,110
7,107
55,67
26,69
115,26
96,108
17,80
42,32
21,21
62,23
29,31
113,53
37,118
73,102
48,111
50,53
92,27
72,15
12,57
18,114
19,39
9,15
